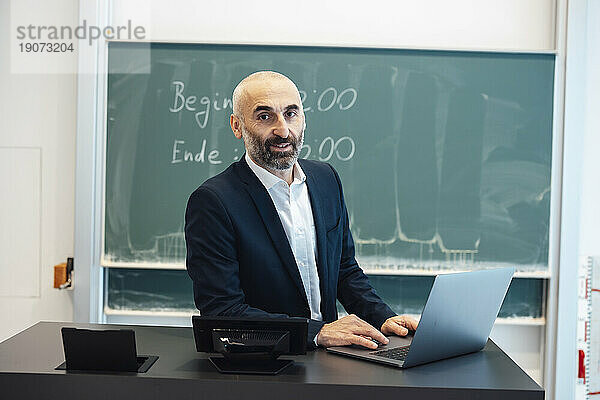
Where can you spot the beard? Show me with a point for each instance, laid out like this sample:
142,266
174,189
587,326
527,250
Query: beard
260,151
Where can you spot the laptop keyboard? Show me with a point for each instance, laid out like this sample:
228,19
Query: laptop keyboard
397,353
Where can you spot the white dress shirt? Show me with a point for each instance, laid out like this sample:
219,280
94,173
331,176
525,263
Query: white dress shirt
295,212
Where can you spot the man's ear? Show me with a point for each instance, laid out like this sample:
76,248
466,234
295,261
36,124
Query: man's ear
236,126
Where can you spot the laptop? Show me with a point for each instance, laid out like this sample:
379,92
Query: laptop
457,319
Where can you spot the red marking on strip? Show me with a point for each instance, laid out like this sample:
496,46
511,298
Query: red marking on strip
595,290
587,281
581,370
593,393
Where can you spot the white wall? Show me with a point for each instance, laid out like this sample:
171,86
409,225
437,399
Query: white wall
37,116
589,233
458,24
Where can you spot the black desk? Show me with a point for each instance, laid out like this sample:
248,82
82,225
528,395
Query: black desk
27,363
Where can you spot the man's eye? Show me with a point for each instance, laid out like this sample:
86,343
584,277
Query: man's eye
263,117
291,113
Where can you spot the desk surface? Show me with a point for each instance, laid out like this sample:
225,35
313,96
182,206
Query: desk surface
27,363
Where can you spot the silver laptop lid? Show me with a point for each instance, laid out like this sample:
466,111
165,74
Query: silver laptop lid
459,314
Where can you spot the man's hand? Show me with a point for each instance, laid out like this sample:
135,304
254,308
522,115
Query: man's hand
399,325
349,330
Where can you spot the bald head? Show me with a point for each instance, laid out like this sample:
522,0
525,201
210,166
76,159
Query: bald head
257,82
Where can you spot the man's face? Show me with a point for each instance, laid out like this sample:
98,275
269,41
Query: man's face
273,123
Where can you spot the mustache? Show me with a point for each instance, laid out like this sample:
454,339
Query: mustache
280,140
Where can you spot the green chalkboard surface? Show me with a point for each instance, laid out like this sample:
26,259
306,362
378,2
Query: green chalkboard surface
156,290
445,157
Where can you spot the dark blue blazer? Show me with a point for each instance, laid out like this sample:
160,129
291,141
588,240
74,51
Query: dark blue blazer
240,260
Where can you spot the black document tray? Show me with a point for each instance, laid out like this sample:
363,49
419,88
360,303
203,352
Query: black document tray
102,351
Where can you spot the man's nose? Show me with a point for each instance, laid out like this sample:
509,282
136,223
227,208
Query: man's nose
281,128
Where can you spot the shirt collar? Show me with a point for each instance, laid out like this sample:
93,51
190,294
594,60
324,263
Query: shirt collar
268,179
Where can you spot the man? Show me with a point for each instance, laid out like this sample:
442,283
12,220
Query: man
269,236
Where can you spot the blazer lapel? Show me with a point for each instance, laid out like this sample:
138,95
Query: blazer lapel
270,218
315,194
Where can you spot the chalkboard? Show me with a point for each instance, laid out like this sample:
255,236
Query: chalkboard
445,157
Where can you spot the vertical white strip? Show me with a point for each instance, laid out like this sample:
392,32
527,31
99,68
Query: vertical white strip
555,231
87,274
562,376
583,324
